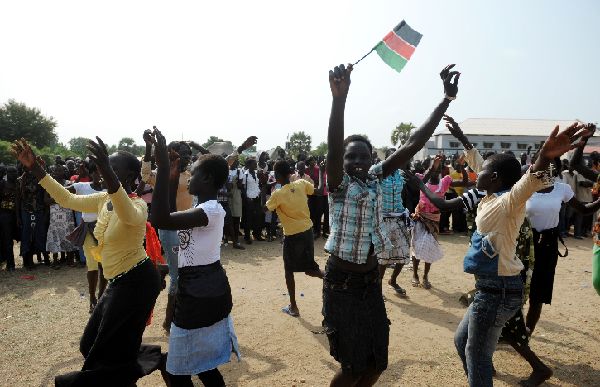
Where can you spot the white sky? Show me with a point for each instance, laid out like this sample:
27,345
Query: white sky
235,68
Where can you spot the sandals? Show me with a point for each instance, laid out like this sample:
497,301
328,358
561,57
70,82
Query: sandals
415,282
288,310
401,292
426,284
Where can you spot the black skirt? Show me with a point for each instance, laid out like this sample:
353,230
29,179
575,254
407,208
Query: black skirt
112,340
546,257
299,252
355,319
203,296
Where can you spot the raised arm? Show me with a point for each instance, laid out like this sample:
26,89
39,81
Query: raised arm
584,208
81,203
441,203
161,215
557,144
577,159
129,212
339,82
419,138
250,141
148,175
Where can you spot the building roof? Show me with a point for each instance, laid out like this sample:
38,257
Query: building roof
507,127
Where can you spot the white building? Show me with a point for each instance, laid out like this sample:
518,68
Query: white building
497,135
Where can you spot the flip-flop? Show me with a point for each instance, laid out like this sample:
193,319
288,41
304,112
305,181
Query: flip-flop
399,291
426,284
415,283
288,310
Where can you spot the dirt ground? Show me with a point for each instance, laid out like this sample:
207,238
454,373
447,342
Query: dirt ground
41,320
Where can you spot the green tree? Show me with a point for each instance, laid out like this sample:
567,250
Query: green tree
320,150
17,120
299,142
401,133
78,145
128,144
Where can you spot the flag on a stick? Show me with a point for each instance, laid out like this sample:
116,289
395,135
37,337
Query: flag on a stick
397,47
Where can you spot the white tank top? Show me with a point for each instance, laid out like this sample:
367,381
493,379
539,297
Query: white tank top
200,246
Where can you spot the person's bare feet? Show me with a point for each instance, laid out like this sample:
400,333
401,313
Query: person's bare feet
537,377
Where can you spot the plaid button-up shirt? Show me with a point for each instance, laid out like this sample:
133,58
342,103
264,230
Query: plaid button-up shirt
356,218
391,191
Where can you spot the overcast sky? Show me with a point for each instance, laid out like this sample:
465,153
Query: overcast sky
235,68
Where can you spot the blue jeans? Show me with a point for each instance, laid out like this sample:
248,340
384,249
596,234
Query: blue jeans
170,244
496,301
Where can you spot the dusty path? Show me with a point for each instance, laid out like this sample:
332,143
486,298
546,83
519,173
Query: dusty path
41,321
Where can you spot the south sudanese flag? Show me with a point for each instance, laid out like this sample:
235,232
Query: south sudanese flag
398,46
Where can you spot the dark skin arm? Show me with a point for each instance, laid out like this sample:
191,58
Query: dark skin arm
339,83
559,143
441,203
576,162
202,150
417,139
457,132
435,166
148,141
584,209
161,216
321,187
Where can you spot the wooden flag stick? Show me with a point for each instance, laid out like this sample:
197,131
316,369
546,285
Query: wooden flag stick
367,54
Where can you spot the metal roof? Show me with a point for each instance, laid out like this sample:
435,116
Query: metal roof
506,127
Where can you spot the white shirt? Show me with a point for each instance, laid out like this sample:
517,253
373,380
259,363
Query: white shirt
201,246
570,180
543,208
86,189
251,185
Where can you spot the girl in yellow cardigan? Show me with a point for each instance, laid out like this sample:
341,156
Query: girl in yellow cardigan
112,340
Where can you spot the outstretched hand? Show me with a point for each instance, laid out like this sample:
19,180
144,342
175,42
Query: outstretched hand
23,152
160,148
559,143
148,137
339,80
250,141
99,154
450,79
452,126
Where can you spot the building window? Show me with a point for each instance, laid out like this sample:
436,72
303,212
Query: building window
536,145
522,146
453,144
488,145
505,145
474,144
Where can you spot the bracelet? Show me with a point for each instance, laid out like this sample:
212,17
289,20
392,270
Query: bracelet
449,98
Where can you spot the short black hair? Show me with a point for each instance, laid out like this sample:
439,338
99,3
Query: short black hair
133,163
507,167
215,166
282,168
358,137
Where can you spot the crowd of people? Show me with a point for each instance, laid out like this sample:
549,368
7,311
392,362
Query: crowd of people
101,212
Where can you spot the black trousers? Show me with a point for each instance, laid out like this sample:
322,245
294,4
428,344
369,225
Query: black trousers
315,206
8,224
254,218
112,340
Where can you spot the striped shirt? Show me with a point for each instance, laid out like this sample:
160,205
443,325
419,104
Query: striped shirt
471,199
356,218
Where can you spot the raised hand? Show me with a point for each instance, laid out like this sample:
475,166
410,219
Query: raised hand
99,155
339,80
450,84
436,162
452,126
250,141
591,128
559,143
148,137
23,152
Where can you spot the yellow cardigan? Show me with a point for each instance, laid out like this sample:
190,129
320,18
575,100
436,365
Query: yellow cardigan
120,231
